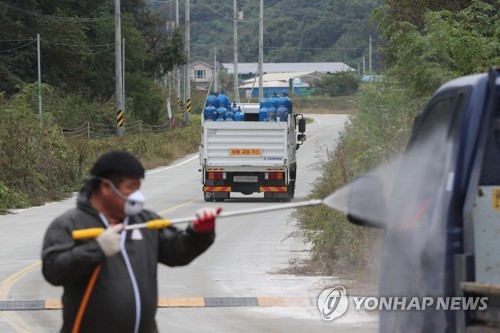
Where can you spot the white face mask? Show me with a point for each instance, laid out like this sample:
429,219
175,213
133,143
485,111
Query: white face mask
134,203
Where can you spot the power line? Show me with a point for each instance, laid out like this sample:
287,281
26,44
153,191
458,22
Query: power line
15,48
216,11
51,17
68,49
15,40
224,16
86,45
89,53
285,47
329,17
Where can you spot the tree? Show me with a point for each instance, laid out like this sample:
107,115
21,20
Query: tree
449,44
338,84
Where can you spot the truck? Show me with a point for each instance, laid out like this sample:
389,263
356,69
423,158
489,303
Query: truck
250,156
440,213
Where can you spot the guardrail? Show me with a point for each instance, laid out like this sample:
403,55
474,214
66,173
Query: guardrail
95,130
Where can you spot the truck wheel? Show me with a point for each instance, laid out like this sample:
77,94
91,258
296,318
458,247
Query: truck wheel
220,197
291,190
208,196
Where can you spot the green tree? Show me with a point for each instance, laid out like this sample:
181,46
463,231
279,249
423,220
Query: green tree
449,44
338,84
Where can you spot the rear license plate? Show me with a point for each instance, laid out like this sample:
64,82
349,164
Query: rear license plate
245,179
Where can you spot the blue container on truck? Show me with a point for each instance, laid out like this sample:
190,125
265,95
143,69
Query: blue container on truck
264,101
282,112
222,111
210,112
224,100
286,101
238,115
212,98
263,113
229,116
273,101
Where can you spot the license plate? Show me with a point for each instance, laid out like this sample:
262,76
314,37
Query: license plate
245,179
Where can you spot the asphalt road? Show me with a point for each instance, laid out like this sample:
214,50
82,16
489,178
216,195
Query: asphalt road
244,263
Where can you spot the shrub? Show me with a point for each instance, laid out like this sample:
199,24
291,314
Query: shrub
338,84
376,131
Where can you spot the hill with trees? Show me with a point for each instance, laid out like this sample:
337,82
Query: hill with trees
294,30
77,50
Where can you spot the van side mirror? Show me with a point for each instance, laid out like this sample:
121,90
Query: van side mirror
366,204
301,138
302,125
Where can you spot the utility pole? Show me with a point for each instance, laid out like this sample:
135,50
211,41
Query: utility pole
123,74
370,56
188,66
261,50
216,87
39,74
235,48
178,71
120,115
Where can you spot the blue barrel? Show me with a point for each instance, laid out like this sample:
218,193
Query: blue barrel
222,111
210,112
239,116
273,101
287,101
282,112
220,117
224,100
264,101
263,113
229,116
271,114
212,99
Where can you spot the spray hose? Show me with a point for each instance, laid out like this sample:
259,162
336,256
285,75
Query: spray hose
85,300
160,224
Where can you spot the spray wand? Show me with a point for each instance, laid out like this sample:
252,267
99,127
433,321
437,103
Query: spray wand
165,223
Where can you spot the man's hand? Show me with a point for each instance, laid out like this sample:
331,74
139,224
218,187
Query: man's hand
205,221
110,239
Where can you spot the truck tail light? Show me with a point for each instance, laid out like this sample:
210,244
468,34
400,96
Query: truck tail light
274,176
216,175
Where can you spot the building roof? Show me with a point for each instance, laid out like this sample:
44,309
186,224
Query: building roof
202,63
286,76
267,84
287,67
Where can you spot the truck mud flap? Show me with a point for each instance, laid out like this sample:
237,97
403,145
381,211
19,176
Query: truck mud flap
217,189
273,189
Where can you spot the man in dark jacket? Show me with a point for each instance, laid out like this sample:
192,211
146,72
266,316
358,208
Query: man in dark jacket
124,296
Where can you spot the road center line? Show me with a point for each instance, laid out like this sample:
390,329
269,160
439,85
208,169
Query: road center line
15,320
178,206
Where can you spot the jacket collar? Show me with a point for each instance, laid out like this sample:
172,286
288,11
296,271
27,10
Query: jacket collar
83,202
